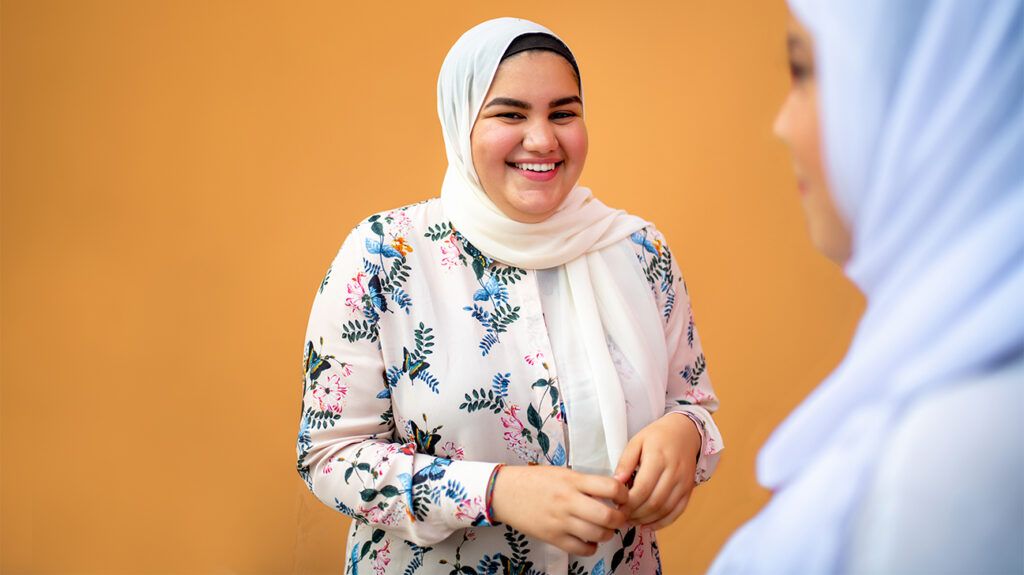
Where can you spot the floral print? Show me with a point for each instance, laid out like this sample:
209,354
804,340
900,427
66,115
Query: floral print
426,365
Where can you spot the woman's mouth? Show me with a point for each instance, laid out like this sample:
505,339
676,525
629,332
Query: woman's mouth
537,172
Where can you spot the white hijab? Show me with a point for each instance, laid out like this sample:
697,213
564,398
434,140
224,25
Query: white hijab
573,237
922,106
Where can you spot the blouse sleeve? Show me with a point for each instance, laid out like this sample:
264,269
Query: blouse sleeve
347,449
689,390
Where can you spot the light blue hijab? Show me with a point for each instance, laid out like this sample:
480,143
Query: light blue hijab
922,114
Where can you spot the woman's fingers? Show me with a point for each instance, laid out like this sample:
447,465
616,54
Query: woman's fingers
575,545
662,501
651,469
673,515
629,460
597,513
603,488
587,531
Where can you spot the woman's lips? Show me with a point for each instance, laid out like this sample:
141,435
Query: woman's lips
537,176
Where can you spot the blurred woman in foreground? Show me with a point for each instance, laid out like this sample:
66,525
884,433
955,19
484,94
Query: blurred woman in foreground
906,124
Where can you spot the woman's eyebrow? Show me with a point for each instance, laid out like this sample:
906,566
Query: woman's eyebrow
501,101
794,43
512,102
565,101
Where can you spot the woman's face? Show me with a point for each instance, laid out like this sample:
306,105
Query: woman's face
797,125
529,141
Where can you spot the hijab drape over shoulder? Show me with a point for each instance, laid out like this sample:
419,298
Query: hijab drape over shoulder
573,237
922,112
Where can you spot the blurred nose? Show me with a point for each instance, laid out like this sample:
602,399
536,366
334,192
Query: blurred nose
780,127
540,138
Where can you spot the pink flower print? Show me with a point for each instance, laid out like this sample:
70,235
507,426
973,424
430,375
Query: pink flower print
452,451
696,395
449,253
638,552
383,558
470,508
533,358
514,442
712,447
356,292
512,421
400,222
330,396
514,436
383,514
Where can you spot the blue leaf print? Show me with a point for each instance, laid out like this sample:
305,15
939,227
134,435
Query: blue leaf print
480,315
431,381
599,568
353,560
371,314
370,268
455,491
492,290
500,384
305,442
391,377
559,457
489,340
488,565
378,247
402,299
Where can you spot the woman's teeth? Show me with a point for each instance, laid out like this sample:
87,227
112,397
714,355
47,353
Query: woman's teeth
536,167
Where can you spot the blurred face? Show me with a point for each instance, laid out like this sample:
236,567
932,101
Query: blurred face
797,125
529,142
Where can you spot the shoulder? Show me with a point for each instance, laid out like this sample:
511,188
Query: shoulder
655,257
978,418
396,229
402,220
956,453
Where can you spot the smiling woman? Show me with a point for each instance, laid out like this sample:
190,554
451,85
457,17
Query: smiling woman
530,141
545,404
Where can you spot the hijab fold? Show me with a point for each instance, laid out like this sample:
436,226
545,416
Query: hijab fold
577,236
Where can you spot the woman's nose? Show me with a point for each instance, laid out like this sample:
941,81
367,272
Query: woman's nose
540,137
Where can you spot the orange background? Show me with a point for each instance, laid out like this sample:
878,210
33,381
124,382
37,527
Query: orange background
177,175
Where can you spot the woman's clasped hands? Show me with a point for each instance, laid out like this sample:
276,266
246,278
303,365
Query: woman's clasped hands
662,458
576,511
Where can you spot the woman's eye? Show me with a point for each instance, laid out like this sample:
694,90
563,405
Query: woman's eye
511,115
799,72
562,115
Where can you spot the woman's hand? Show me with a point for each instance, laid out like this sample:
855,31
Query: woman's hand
560,506
666,453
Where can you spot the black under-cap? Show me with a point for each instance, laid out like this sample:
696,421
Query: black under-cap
542,41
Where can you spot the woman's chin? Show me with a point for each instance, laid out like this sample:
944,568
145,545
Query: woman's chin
536,206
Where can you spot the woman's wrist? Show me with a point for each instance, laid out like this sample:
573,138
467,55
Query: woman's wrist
489,511
691,431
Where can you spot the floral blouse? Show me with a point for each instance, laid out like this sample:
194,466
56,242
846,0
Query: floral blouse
427,364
